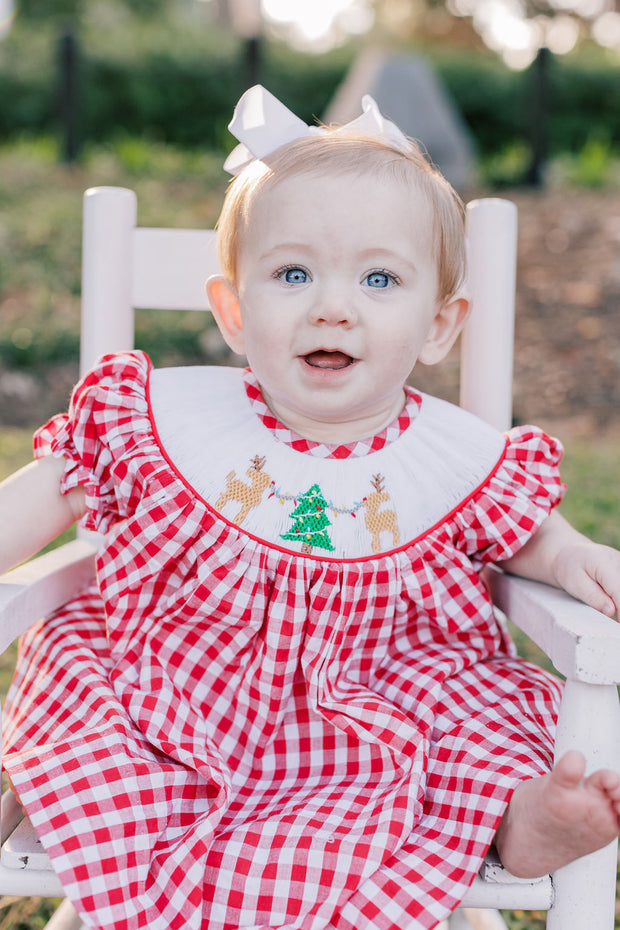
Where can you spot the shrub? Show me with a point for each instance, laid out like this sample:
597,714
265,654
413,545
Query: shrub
177,82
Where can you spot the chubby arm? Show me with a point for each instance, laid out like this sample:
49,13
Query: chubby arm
561,556
33,511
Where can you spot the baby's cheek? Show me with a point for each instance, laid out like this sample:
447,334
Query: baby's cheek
401,353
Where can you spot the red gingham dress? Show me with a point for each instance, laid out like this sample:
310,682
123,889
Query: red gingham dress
227,732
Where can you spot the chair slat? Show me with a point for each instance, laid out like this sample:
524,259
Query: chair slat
24,850
170,267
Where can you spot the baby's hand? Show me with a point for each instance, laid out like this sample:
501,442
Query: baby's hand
558,554
590,572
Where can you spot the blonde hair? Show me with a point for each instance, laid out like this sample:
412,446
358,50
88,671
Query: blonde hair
348,153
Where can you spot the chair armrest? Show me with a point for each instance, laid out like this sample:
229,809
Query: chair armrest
582,643
38,587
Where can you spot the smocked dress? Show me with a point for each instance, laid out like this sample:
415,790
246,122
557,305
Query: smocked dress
287,703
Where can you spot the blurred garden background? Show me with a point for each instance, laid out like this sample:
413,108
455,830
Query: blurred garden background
138,93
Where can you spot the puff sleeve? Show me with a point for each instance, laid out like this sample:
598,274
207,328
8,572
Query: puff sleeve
497,521
103,437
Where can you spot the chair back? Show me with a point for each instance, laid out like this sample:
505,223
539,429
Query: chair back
125,266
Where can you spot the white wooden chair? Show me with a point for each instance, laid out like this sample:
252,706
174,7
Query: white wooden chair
125,267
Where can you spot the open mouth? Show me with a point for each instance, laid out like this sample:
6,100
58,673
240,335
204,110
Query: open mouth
332,361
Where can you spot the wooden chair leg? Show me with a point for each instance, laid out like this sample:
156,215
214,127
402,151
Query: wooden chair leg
585,890
65,918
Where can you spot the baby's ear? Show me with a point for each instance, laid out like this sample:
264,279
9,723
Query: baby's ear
448,323
224,302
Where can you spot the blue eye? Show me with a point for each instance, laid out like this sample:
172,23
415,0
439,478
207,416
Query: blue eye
378,279
294,275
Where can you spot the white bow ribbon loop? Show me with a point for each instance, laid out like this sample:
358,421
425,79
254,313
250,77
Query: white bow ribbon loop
263,124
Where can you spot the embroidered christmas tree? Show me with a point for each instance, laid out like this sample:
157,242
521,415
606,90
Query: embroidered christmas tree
310,521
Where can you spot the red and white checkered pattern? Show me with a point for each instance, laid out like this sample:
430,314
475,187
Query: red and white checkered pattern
327,450
223,735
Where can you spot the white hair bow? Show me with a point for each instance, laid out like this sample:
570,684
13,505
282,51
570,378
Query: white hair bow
262,124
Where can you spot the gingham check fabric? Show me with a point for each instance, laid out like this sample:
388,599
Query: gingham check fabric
221,735
326,450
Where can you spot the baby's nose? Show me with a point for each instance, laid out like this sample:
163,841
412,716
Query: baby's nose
334,306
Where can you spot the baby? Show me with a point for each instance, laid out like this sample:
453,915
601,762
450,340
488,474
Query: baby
335,284
300,676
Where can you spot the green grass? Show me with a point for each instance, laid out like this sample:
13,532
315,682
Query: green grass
26,913
15,449
592,502
40,237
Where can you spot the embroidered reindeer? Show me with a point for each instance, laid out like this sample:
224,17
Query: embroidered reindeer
379,521
248,495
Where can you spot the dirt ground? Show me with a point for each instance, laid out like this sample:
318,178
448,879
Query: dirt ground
567,357
567,335
568,308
